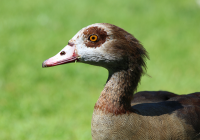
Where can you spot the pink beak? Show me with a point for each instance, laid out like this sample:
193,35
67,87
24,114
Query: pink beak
66,55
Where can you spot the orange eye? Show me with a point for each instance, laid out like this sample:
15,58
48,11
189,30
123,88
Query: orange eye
93,38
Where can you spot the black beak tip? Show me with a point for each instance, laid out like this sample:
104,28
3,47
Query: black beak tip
44,65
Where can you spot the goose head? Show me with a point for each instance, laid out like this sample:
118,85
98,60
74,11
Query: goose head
101,44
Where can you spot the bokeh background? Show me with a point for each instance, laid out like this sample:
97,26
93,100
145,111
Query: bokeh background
57,103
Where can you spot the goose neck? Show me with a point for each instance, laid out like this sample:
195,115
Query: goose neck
118,92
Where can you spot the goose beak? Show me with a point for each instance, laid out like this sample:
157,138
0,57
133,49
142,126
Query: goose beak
67,55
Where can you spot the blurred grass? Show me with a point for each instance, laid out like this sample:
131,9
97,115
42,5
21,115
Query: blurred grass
57,103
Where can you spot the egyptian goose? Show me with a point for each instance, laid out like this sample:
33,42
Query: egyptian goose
150,115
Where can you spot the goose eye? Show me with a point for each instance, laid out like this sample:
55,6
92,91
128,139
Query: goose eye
93,38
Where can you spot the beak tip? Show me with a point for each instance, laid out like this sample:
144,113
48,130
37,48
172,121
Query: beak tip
44,64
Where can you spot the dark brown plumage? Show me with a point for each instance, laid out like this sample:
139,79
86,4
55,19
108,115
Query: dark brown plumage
118,115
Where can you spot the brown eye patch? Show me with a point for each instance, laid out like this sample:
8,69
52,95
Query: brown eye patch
96,36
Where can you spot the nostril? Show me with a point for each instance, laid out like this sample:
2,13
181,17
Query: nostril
62,53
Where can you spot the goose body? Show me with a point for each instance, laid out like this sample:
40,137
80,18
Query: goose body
118,115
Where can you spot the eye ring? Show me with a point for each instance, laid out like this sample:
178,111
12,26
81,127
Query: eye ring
93,38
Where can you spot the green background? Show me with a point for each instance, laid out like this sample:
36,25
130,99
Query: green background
57,103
